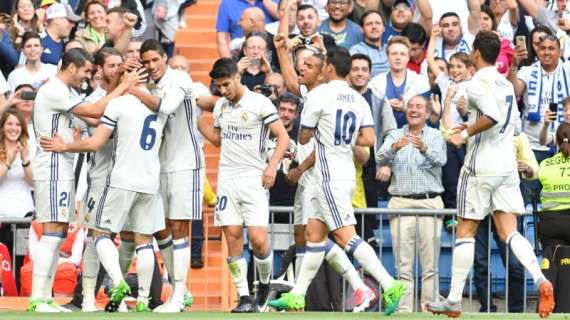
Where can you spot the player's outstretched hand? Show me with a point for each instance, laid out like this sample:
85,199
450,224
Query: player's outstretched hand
54,144
268,178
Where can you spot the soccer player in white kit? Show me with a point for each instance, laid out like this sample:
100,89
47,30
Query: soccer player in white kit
489,180
131,194
53,173
242,122
338,117
182,167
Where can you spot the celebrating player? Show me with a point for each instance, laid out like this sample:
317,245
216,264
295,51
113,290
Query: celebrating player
339,118
53,173
489,180
242,122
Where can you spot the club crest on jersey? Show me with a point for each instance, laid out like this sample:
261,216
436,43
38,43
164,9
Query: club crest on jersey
244,117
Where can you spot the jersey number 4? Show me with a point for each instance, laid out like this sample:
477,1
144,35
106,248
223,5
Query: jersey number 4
148,134
344,127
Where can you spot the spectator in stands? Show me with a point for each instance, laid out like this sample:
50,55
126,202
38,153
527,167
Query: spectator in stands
345,32
93,36
402,14
453,38
119,28
283,193
399,84
552,121
372,45
308,23
167,22
33,72
60,21
278,85
529,55
254,66
4,89
535,83
15,170
229,15
415,153
252,20
384,121
26,17
418,37
287,8
70,255
134,50
25,107
506,17
489,23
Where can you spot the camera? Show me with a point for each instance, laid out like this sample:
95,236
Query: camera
306,41
265,89
28,95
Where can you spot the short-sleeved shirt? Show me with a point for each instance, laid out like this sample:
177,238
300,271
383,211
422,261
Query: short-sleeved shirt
229,14
181,148
100,161
22,75
389,33
490,153
351,35
52,114
53,51
377,56
337,112
244,132
136,142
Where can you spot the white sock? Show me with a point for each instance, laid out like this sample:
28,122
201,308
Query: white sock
238,270
42,274
523,251
314,255
264,267
463,254
338,260
109,257
90,270
165,246
180,254
369,261
299,255
126,250
145,269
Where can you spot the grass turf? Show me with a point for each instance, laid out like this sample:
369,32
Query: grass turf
288,316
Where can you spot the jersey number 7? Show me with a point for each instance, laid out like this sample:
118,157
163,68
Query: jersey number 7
509,101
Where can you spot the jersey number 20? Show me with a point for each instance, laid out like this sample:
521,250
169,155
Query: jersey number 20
148,134
344,127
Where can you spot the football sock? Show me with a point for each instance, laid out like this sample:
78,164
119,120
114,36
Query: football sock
523,251
180,254
462,260
338,260
145,268
126,249
299,255
109,257
238,270
165,246
47,255
314,255
369,261
90,270
264,266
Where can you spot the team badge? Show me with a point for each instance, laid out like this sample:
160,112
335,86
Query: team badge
244,117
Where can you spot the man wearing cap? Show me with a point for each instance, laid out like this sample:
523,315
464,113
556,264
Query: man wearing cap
453,38
61,20
402,14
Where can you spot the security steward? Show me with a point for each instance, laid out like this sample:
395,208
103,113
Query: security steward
554,219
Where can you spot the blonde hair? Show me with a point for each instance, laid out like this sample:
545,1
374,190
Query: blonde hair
398,40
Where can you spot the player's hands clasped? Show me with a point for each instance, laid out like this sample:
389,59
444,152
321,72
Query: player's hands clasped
268,177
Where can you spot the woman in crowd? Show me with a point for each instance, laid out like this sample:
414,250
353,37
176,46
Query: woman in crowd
93,36
26,17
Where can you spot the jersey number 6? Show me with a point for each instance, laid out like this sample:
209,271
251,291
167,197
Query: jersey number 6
344,127
148,134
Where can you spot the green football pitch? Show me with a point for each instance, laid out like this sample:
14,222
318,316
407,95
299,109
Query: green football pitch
288,316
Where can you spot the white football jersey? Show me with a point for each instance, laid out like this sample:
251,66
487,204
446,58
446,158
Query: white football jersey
100,161
52,114
490,153
244,131
181,148
337,112
137,135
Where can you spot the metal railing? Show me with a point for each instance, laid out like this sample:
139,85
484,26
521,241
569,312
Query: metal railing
277,231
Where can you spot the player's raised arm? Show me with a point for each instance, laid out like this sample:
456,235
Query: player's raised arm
91,144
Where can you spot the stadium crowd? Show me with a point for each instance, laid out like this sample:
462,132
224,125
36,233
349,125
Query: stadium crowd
411,61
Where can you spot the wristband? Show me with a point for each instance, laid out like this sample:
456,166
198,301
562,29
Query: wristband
464,134
26,164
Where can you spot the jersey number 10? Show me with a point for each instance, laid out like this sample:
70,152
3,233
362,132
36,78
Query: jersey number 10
148,134
344,127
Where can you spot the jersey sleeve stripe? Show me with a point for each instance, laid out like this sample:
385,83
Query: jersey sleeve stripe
110,125
307,127
269,115
367,126
109,119
270,118
491,118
